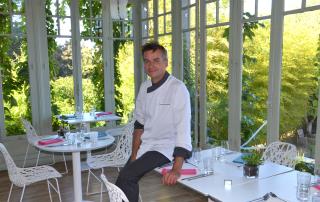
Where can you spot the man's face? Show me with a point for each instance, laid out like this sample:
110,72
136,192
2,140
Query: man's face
155,65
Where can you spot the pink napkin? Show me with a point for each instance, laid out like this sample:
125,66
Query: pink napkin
186,171
317,187
103,113
50,141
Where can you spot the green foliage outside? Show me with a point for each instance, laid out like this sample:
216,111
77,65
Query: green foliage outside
299,88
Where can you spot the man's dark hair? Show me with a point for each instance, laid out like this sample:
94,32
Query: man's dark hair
154,45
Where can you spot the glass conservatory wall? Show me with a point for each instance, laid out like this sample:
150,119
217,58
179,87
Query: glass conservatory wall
14,88
299,82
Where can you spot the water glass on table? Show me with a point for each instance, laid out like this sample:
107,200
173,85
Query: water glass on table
94,137
92,111
208,165
196,156
303,186
70,138
224,147
216,153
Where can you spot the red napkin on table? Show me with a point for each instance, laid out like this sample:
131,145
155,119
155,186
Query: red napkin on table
186,171
50,141
103,113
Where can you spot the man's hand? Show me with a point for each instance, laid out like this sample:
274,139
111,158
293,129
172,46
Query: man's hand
170,178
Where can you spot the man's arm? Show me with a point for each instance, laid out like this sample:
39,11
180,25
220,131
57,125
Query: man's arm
136,141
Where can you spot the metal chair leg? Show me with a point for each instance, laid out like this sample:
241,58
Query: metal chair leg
25,156
38,157
65,164
48,183
24,187
10,192
59,194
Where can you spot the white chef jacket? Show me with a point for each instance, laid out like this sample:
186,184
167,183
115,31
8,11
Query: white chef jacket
166,115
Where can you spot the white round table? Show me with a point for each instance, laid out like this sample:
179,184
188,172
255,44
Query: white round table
76,164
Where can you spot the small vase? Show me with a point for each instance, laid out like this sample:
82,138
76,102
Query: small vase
251,171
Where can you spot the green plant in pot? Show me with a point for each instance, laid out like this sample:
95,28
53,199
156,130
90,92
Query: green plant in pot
251,164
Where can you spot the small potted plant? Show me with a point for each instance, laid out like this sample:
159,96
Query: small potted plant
251,164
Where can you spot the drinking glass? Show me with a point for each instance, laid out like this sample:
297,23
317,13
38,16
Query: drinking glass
303,186
94,137
196,155
93,111
208,165
216,153
224,146
70,138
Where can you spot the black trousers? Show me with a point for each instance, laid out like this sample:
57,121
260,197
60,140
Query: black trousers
133,171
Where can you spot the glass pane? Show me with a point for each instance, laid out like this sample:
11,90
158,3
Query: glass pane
211,13
144,28
299,82
53,8
255,81
144,11
150,28
17,6
53,24
150,8
97,28
292,4
84,32
126,70
224,11
192,18
92,75
217,83
18,24
168,23
61,77
65,26
184,3
312,3
5,26
15,83
160,6
168,6
185,19
64,8
96,9
161,24
189,71
264,8
4,5
249,6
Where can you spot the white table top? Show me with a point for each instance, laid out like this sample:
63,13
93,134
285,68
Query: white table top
283,185
242,189
84,146
88,119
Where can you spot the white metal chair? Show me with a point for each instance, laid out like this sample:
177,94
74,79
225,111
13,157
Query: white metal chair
22,177
32,137
116,158
114,192
282,153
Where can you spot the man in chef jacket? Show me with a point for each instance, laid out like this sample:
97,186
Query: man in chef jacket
162,131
